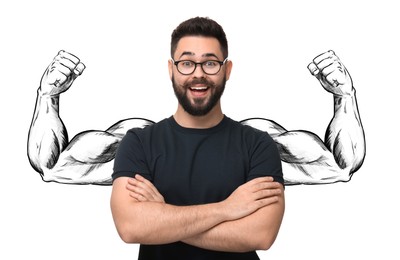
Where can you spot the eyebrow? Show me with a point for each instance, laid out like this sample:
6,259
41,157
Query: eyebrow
192,54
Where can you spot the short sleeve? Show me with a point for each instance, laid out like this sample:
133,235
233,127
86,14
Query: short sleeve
130,156
265,159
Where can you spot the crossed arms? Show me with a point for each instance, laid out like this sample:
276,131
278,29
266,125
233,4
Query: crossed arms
249,219
88,157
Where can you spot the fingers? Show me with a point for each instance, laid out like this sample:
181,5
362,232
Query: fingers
322,61
262,188
265,190
140,190
66,55
149,188
260,179
261,183
328,68
267,201
313,69
62,71
79,68
326,55
71,62
266,194
251,196
143,190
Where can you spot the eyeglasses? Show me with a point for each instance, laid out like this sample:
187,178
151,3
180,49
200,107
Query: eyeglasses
209,67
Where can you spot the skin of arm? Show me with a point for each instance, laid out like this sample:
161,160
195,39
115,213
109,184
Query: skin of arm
142,217
256,230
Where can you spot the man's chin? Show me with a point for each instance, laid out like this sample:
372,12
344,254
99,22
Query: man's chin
197,110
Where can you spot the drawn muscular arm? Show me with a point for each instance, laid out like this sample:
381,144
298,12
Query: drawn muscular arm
88,157
306,159
47,135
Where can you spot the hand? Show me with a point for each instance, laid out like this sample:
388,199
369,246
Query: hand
332,74
143,190
60,74
251,196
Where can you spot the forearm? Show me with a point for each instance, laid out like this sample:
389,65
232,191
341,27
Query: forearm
47,134
345,134
228,237
160,223
257,231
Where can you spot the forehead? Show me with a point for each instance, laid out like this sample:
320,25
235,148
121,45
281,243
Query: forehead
198,46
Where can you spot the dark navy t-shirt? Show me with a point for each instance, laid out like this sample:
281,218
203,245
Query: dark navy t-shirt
196,166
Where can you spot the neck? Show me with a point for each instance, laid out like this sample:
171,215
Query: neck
209,120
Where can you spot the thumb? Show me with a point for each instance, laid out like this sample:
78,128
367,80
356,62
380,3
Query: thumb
79,69
313,69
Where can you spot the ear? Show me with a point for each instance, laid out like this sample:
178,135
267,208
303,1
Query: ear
228,65
170,68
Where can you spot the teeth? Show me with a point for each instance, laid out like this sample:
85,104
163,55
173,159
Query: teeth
199,88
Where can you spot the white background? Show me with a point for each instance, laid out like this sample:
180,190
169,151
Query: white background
125,46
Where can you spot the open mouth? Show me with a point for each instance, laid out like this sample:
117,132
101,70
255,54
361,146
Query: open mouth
199,89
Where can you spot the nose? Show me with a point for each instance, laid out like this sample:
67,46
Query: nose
198,71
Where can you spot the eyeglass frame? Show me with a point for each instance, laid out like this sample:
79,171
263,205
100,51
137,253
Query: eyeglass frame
221,63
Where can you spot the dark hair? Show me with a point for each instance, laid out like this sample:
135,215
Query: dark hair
200,26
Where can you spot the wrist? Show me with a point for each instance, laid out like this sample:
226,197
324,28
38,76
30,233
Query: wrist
46,94
45,99
348,94
224,211
344,103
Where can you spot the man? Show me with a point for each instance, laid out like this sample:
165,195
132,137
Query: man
88,158
205,186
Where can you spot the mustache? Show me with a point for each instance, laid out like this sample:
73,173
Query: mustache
199,81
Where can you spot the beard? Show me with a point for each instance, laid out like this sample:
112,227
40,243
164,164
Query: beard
199,106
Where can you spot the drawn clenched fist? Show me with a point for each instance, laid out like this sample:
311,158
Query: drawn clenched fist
331,73
61,73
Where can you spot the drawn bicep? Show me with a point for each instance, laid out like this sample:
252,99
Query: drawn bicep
92,147
301,147
306,160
